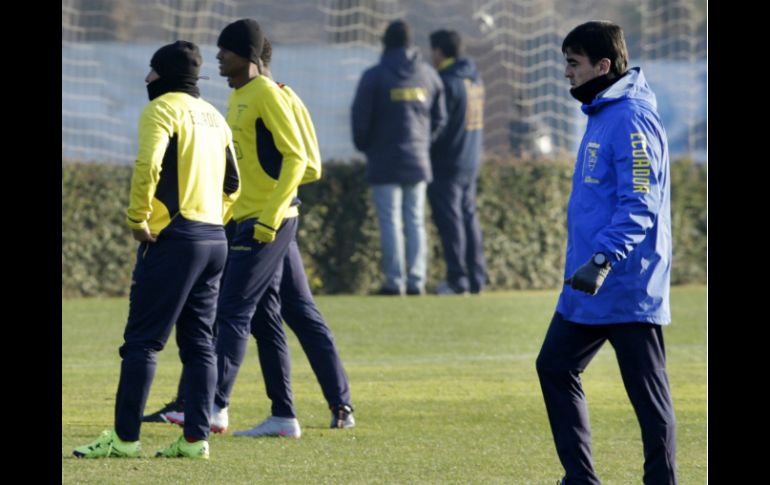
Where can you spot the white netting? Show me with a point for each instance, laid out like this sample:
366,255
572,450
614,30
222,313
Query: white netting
322,46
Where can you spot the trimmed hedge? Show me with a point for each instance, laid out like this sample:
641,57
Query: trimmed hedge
522,208
97,249
688,222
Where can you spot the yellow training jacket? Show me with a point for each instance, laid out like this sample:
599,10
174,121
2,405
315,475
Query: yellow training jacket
185,165
307,130
270,150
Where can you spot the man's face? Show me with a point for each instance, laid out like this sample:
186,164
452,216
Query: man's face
151,76
231,64
579,69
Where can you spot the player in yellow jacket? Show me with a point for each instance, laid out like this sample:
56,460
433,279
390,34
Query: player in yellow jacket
289,298
184,180
272,147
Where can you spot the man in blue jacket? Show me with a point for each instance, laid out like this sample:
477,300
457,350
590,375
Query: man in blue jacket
455,157
397,111
618,259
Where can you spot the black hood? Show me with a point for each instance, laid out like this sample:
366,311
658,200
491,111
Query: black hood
464,68
402,61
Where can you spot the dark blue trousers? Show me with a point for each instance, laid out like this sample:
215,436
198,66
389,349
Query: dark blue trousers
174,281
453,205
566,352
251,269
289,298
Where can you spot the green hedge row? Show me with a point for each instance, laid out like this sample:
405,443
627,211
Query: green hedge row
522,207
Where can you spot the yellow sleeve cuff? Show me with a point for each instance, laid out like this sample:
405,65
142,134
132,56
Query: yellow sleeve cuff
136,225
263,233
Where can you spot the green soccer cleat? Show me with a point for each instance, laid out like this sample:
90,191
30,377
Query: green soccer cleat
182,449
109,445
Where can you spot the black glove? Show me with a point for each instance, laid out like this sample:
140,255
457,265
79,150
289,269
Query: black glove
589,277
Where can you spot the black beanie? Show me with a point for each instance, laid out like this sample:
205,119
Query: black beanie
180,60
243,37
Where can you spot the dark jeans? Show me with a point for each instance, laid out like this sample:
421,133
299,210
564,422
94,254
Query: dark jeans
453,204
566,352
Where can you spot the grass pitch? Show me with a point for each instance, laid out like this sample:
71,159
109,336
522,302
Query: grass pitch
445,392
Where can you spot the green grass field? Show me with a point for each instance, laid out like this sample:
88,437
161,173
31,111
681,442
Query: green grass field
445,391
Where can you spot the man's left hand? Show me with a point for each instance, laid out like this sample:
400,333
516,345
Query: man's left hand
588,278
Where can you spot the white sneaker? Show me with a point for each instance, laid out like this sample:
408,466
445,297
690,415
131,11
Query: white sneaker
274,426
218,420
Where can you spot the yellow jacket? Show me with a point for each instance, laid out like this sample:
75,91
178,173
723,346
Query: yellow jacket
185,164
271,153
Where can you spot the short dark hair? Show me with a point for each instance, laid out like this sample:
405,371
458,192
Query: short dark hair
447,41
397,34
267,52
599,39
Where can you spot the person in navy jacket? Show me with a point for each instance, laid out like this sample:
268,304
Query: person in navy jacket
455,157
398,110
618,260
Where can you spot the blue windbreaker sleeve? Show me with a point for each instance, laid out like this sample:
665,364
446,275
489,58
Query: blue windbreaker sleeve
438,114
637,158
362,111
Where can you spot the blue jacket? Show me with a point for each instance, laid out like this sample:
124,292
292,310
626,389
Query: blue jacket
456,153
620,205
397,111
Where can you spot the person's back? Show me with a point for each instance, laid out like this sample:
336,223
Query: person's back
455,157
194,138
184,180
309,138
397,111
457,150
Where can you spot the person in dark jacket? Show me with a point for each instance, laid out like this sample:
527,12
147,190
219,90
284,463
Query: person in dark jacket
397,112
455,156
618,261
